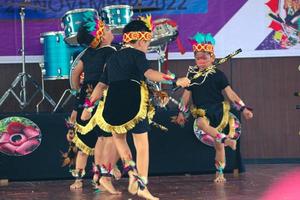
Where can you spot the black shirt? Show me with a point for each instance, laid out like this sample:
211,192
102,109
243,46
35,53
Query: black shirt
127,63
210,91
94,61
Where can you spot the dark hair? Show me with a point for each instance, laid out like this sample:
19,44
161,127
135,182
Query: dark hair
136,25
84,38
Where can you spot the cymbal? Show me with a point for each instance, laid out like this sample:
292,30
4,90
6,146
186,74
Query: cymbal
25,4
144,9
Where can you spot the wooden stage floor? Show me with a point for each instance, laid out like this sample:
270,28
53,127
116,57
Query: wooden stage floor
247,186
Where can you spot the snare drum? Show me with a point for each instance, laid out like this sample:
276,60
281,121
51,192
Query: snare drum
234,132
164,31
117,16
71,22
58,55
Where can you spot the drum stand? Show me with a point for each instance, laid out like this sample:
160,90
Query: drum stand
45,95
23,77
62,97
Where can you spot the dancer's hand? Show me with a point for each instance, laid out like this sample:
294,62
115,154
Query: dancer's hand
86,115
180,119
247,113
183,82
70,135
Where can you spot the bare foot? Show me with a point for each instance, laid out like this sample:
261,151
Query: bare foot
231,143
117,173
101,188
106,183
133,184
95,181
78,184
220,178
146,194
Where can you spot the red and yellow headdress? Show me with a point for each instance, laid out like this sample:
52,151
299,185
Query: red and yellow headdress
95,27
140,35
203,42
97,33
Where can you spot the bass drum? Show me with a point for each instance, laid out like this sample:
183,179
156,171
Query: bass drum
58,55
73,66
234,131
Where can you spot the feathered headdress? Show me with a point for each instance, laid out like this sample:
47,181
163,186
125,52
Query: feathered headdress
148,21
94,27
203,42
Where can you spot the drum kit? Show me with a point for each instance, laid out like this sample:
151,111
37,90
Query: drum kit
116,17
62,51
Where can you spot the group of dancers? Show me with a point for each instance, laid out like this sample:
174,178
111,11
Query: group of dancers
113,100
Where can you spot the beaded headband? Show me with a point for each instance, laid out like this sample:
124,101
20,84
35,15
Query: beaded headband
203,42
140,35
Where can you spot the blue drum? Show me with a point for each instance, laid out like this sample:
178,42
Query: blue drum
116,16
71,22
58,55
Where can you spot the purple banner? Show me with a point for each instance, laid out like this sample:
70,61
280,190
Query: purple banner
210,16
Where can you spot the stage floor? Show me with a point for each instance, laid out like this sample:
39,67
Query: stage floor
247,186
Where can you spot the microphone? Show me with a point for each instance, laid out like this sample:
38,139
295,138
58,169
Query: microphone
297,94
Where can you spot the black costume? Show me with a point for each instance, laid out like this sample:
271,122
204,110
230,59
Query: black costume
206,87
126,105
94,61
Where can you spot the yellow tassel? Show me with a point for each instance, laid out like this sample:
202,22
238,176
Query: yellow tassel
197,112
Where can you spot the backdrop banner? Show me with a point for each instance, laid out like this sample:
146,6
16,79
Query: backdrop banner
263,28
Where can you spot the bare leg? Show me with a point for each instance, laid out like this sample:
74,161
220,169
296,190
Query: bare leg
106,163
113,156
203,124
97,160
126,156
220,162
73,116
81,161
142,152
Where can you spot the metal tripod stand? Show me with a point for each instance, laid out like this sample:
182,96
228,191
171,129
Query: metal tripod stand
23,77
161,51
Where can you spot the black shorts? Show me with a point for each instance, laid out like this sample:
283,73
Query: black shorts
141,127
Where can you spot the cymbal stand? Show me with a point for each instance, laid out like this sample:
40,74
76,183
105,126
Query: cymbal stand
23,77
161,51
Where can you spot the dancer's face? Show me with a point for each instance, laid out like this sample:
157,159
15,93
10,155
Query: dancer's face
203,59
108,36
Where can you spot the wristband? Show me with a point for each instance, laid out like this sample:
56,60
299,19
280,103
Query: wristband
88,103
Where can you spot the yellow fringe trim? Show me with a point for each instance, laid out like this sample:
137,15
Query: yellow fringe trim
123,128
198,112
92,122
224,121
82,146
151,113
231,127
